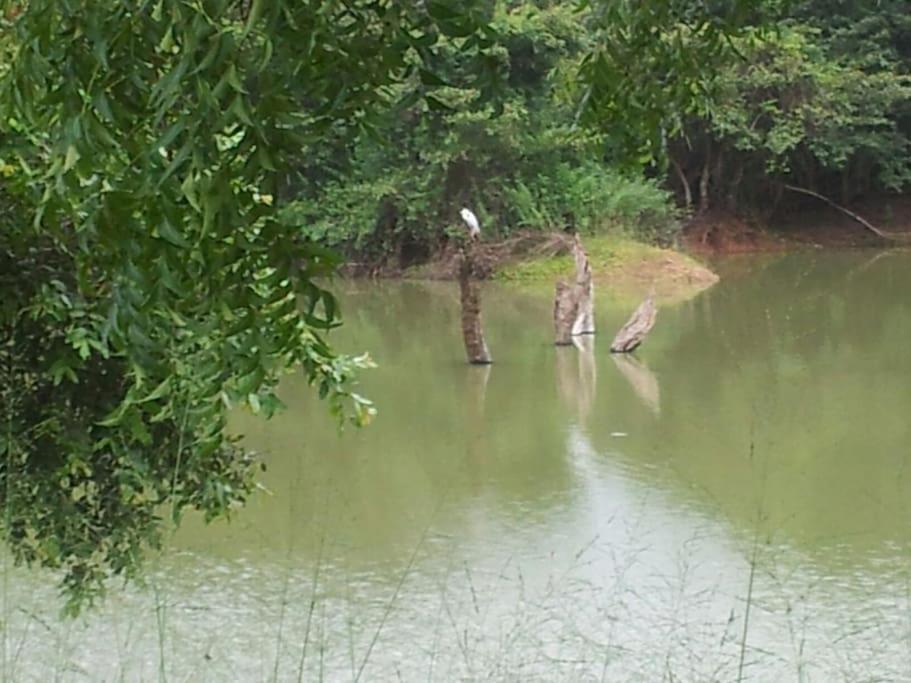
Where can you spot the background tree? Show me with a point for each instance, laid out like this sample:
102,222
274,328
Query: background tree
822,103
589,92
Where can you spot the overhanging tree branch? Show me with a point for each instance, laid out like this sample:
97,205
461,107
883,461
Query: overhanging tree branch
860,219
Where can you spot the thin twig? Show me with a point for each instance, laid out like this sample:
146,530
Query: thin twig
746,615
313,589
395,594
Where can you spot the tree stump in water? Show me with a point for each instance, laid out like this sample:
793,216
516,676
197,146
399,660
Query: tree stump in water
574,303
470,291
632,334
585,313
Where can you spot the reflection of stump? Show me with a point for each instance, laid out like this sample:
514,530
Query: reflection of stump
476,392
632,334
577,377
565,306
642,381
472,333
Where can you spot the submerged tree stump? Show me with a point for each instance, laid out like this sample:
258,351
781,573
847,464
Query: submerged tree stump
470,294
585,313
633,333
472,331
574,303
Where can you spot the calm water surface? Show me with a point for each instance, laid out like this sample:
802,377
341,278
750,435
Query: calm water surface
733,502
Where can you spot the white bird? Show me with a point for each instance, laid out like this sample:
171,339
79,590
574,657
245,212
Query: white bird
474,227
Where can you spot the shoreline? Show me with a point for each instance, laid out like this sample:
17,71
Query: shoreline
623,266
620,265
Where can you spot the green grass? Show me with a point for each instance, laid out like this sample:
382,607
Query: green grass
604,252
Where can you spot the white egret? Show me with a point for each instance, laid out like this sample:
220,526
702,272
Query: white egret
474,227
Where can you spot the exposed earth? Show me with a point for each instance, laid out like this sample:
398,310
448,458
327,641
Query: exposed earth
806,222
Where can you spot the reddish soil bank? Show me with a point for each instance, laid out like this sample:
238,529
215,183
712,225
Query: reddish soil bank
800,224
721,232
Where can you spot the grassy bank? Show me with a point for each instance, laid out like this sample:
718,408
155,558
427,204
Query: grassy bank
620,265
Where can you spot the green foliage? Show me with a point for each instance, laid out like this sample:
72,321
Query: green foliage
151,278
652,64
597,199
824,103
520,163
792,106
875,33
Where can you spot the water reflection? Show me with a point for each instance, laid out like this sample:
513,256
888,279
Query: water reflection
804,369
577,376
493,524
476,393
640,379
780,370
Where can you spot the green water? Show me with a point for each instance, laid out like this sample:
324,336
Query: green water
560,516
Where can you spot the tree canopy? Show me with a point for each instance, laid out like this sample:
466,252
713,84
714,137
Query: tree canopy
822,102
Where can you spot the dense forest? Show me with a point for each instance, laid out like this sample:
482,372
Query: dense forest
178,178
820,100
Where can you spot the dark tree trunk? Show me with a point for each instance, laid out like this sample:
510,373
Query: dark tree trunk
704,182
717,174
684,183
777,191
734,187
472,332
845,186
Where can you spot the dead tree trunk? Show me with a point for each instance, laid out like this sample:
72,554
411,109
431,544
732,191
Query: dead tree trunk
574,304
585,313
472,332
470,292
705,179
734,187
633,333
684,182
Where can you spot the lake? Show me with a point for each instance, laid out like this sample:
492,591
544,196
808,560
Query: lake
733,502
